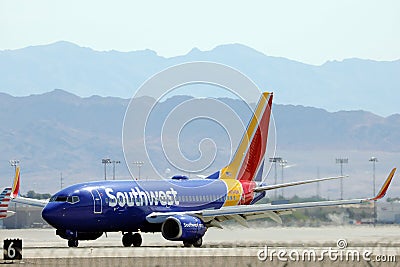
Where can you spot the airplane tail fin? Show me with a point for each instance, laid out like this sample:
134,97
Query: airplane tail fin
15,187
248,162
4,202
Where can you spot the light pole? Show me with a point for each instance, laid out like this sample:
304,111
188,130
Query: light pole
105,162
341,161
374,160
275,160
139,164
115,162
318,189
14,163
283,164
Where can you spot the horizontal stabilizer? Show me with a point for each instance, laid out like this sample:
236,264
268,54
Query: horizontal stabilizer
276,186
31,201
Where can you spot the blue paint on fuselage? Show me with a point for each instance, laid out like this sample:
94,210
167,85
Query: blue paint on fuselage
124,205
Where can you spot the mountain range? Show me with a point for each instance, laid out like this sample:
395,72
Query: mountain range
59,132
62,108
352,84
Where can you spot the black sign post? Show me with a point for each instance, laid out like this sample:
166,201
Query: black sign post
12,249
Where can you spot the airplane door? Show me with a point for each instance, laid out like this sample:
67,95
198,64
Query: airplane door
97,201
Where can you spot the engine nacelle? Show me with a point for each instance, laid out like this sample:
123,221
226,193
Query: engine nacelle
183,228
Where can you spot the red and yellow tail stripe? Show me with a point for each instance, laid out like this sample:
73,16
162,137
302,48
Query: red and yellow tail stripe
385,186
249,157
15,188
250,153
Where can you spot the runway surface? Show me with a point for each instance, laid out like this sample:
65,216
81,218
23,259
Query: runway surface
231,246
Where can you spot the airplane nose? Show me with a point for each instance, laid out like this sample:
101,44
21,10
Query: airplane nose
49,214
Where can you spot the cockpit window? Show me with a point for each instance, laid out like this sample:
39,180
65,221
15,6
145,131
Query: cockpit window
58,199
73,199
69,199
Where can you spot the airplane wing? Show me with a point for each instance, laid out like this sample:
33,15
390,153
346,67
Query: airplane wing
244,213
24,200
30,201
276,186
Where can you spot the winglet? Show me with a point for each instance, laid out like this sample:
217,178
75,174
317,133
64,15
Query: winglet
15,187
385,186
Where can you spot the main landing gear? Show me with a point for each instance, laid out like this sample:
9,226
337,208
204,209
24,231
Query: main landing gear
73,243
195,243
129,239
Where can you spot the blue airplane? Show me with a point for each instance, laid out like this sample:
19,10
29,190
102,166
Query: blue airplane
182,209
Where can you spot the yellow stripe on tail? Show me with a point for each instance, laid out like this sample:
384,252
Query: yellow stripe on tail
15,187
250,153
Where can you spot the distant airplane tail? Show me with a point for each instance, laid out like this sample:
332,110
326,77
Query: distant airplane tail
8,194
24,200
4,202
15,187
248,162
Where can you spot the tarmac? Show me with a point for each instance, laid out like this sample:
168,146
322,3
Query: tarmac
232,246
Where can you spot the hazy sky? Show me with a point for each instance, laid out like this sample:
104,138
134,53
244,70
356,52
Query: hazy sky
308,31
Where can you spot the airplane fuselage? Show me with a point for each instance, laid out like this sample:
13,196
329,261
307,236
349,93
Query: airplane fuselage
108,206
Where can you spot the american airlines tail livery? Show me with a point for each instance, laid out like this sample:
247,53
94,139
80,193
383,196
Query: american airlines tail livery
182,209
4,202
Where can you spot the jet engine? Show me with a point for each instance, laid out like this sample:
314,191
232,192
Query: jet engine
183,228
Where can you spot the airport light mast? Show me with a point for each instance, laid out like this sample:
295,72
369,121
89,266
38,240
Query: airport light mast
14,163
318,186
341,161
283,164
139,164
275,160
115,162
374,160
105,162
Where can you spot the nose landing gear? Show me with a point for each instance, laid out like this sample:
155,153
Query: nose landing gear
129,239
73,243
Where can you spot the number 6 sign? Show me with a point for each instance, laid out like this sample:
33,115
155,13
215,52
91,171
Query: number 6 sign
12,249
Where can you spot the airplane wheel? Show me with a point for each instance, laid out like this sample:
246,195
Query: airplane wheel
72,243
197,243
127,239
187,244
136,240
